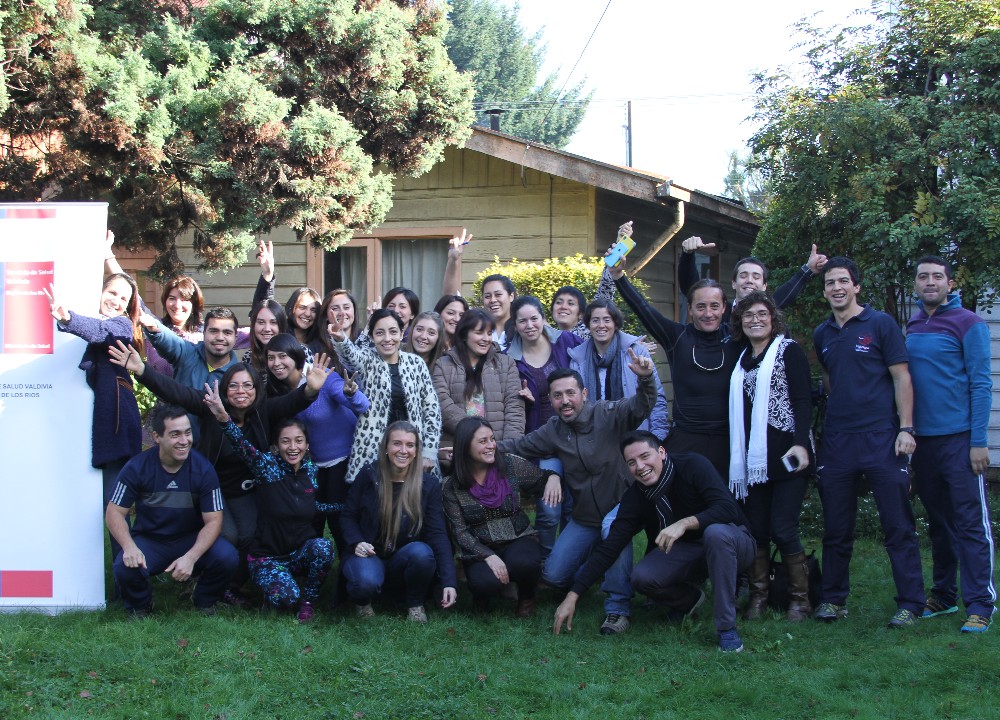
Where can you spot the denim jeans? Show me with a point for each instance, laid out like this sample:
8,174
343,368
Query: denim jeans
571,552
408,572
549,519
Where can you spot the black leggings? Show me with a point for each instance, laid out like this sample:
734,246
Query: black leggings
523,558
773,510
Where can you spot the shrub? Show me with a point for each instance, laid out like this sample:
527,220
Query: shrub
544,278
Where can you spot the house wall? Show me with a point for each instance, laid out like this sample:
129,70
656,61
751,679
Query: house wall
512,214
992,318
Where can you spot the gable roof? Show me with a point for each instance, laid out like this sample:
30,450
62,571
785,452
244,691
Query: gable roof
638,184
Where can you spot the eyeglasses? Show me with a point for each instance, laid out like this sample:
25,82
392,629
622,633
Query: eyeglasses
760,315
246,387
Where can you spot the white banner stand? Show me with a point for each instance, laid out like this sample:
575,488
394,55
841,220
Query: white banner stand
51,519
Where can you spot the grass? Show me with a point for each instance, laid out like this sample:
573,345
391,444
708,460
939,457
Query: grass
178,664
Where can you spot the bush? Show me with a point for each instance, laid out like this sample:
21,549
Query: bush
543,279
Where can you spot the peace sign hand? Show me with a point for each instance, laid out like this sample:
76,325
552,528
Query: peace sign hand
641,366
214,402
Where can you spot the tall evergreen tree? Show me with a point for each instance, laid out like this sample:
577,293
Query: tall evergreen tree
487,40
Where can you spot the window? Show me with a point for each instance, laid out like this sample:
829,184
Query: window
413,258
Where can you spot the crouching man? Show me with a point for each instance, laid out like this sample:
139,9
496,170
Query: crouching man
682,502
178,517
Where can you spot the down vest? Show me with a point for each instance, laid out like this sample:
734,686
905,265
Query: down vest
501,384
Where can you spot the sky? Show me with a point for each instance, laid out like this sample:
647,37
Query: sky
686,66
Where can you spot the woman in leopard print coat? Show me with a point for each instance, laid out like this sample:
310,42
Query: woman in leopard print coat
397,384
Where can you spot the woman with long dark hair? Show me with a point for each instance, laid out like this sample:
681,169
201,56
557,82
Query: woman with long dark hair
395,531
286,542
537,349
302,311
405,303
330,422
266,320
397,384
451,308
496,542
474,378
427,339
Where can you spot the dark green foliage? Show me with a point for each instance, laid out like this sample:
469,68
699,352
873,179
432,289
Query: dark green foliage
225,117
888,149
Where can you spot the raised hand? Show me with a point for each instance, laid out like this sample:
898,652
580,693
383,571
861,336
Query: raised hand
127,357
816,261
318,374
457,244
525,392
149,323
696,244
57,310
336,329
213,401
265,256
350,384
641,366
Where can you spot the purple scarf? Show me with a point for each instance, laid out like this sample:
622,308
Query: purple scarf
494,489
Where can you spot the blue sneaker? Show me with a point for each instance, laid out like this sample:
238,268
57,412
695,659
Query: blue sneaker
977,624
730,642
935,606
828,612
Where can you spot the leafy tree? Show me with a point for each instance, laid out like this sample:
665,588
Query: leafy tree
226,117
889,148
746,184
486,39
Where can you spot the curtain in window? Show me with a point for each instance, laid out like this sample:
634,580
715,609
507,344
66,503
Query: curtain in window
354,273
417,265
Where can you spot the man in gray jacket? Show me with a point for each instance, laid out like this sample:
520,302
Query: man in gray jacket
585,438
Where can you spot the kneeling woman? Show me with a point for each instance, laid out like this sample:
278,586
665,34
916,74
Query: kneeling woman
482,505
394,528
285,543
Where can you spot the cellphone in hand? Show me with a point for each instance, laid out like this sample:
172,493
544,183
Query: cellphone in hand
790,462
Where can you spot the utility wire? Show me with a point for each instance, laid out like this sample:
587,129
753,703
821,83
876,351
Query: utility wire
524,180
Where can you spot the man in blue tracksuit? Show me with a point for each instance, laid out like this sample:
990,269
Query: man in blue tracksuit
868,430
949,349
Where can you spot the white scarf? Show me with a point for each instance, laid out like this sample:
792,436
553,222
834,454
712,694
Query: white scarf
748,464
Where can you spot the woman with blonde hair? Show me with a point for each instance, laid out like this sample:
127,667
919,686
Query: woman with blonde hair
394,527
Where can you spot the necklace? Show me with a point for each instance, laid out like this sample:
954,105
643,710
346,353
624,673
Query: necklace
694,359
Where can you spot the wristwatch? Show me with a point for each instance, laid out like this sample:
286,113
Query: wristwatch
909,429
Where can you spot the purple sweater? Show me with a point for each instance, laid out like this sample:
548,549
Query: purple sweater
117,432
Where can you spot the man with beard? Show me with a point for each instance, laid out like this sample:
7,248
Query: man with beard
583,437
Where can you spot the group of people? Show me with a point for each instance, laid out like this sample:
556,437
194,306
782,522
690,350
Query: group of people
421,435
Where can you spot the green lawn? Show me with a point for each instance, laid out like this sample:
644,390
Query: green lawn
252,665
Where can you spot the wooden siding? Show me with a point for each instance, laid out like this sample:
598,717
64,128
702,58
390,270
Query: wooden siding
530,218
992,319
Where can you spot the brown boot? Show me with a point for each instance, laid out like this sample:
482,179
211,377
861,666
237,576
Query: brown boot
525,607
759,572
799,608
